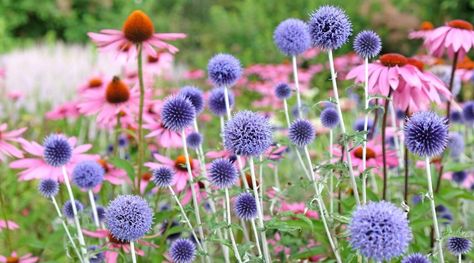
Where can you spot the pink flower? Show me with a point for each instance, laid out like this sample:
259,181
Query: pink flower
8,224
28,258
36,168
112,174
299,208
277,247
96,82
64,111
166,138
457,36
425,29
194,74
137,29
15,95
200,194
6,138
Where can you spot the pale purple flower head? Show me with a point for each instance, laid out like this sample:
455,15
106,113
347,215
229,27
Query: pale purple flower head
292,37
245,206
222,173
224,70
69,211
456,144
182,251
57,150
194,139
194,95
329,27
415,258
367,44
458,245
88,174
329,117
468,111
48,188
163,176
177,113
283,91
301,132
96,257
426,134
217,101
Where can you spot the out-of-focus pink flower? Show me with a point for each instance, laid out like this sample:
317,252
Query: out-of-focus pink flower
65,111
277,247
160,65
36,168
8,224
194,74
15,95
425,29
457,36
466,183
6,138
311,53
96,82
112,174
299,208
165,137
137,29
14,257
343,64
200,194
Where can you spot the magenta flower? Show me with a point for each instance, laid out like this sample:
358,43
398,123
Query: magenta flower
299,208
200,194
425,29
165,137
6,138
457,36
64,111
36,168
8,224
137,29
28,258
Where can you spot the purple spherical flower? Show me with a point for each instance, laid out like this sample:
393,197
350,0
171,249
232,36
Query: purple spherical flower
128,217
177,113
401,115
379,231
459,176
48,188
88,174
194,95
292,37
224,70
194,140
96,257
426,134
245,206
248,134
455,144
456,116
329,27
282,91
359,125
222,173
100,213
69,211
301,132
217,101
468,111
415,258
458,245
329,117
367,44
163,176
182,251
57,150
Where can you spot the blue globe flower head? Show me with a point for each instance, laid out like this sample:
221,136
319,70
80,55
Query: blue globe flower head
217,101
163,176
248,134
48,188
456,117
295,113
122,142
88,174
57,150
100,213
282,91
380,231
194,140
292,37
367,44
459,176
222,173
458,245
455,144
329,117
177,113
128,217
97,257
468,112
68,211
182,251
329,27
194,95
224,70
301,132
415,258
359,125
426,134
401,115
245,206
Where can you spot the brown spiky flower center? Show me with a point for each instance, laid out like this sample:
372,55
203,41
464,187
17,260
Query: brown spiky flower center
13,260
180,163
460,24
425,26
116,241
417,63
138,27
393,59
95,83
117,91
359,153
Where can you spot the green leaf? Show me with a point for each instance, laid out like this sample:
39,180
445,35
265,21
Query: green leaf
125,165
309,252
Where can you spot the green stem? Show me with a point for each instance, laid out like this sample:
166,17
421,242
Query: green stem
141,149
8,240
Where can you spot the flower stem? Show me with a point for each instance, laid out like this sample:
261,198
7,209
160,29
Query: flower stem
229,226
141,149
331,177
227,103
297,85
384,151
405,166
132,251
94,209
8,240
366,123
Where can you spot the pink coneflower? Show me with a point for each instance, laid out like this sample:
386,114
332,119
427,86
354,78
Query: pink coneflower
68,110
179,166
6,138
457,36
424,30
200,194
36,168
299,208
8,224
97,82
112,174
14,258
165,138
138,29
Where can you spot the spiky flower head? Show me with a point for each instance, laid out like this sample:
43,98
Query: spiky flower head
48,188
459,176
128,217
68,210
416,258
100,213
245,206
177,113
182,251
163,176
224,70
468,111
194,95
367,44
380,231
217,101
88,174
283,91
329,27
57,150
222,173
292,37
248,134
426,134
193,140
455,144
456,116
96,257
458,245
301,132
138,27
329,117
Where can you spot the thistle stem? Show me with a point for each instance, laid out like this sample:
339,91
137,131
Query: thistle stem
384,151
141,150
297,85
229,226
366,123
227,103
331,177
94,209
132,251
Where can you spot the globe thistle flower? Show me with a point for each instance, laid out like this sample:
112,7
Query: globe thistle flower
182,251
459,176
426,134
245,206
247,134
401,115
177,113
100,213
458,245
367,44
299,113
68,211
292,37
301,132
380,231
163,176
329,117
88,174
57,150
456,116
217,101
359,125
128,217
97,257
329,27
224,70
222,173
415,258
468,111
455,144
194,95
282,91
193,140
48,188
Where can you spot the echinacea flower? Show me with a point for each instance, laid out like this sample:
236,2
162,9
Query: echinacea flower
138,29
299,208
457,36
64,111
458,245
423,31
182,251
6,138
15,258
165,137
292,37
